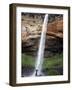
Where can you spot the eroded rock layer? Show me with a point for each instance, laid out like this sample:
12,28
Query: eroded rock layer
31,32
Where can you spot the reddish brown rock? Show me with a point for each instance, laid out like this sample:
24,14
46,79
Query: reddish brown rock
31,32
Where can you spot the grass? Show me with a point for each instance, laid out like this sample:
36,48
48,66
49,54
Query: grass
53,61
28,60
49,65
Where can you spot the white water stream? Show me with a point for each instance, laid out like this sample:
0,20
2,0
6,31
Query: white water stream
40,56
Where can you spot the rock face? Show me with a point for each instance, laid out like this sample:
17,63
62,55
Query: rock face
31,32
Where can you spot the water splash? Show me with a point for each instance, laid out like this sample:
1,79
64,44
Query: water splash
40,56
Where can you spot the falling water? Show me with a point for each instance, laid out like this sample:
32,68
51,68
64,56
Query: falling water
40,56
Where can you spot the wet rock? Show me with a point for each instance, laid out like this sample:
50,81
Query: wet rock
31,33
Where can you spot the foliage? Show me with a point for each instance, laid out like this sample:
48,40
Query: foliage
51,65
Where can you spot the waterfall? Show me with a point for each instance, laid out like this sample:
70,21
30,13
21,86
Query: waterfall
40,55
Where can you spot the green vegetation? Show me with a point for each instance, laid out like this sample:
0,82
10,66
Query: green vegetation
28,60
53,61
51,66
